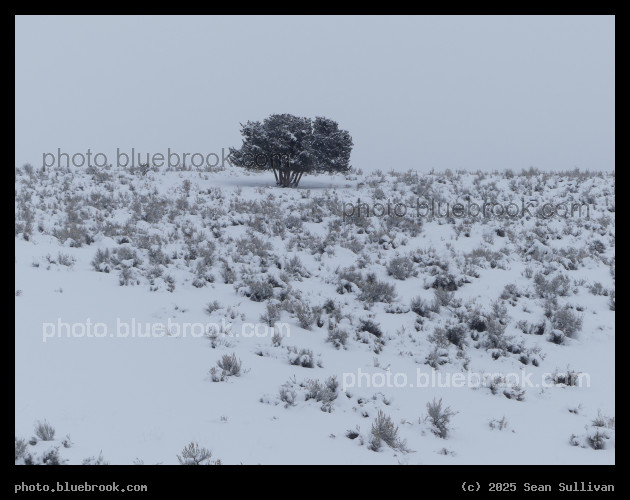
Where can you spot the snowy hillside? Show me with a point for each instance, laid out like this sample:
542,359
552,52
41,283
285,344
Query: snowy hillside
144,301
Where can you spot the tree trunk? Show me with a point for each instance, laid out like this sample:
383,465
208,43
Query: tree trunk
275,172
294,175
286,177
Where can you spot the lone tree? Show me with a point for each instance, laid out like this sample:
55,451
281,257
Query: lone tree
291,146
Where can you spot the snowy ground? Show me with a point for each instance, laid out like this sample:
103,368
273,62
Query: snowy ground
180,240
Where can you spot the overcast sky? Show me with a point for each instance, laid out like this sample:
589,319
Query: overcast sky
414,92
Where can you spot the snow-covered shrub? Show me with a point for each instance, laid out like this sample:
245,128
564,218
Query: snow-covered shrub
400,268
352,433
217,376
329,307
305,314
597,435
494,338
603,421
384,430
348,279
371,327
597,439
498,384
567,321
456,335
212,306
439,417
559,285
611,299
44,431
477,322
157,257
271,314
65,260
67,442
253,245
293,223
557,336
52,457
569,377
445,282
193,454
532,328
287,395
127,277
597,246
337,337
95,460
510,292
73,234
443,298
374,290
437,357
303,357
515,392
420,307
153,208
101,261
295,268
125,257
20,448
227,273
205,252
324,393
260,290
396,308
230,365
597,289
332,309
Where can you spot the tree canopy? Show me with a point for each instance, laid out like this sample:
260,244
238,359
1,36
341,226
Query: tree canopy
290,146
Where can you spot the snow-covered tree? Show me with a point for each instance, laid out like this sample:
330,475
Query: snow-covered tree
290,146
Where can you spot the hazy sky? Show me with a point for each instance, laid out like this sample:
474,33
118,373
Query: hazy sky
414,92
